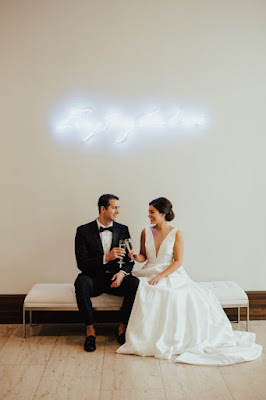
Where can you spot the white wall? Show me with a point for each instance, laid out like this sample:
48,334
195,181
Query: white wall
208,54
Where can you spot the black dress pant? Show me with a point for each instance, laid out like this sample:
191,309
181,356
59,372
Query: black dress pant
87,287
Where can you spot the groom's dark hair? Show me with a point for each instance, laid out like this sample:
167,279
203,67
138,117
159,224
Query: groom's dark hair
104,200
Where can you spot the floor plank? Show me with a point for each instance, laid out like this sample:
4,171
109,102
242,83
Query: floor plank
6,330
34,350
51,364
64,388
132,395
68,358
246,386
125,372
18,382
193,382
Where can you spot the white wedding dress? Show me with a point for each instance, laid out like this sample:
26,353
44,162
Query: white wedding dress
177,319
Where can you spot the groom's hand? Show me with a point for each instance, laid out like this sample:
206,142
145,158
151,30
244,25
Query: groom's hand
117,279
116,252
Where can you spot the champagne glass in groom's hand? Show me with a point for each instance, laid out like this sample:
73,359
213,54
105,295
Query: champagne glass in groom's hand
122,245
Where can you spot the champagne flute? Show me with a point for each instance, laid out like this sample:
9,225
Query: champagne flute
129,247
122,245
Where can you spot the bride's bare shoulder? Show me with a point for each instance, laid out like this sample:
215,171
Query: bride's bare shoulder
178,235
143,232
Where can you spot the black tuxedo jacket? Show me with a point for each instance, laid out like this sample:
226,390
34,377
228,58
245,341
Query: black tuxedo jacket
89,250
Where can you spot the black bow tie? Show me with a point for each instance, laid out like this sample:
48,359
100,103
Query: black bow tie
110,228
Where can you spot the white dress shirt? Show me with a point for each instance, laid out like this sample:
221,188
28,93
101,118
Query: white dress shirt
106,239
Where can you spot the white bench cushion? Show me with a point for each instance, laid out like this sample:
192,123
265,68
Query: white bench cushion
227,292
62,295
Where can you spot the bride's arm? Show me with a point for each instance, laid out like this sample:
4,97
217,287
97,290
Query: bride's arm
178,259
178,255
141,257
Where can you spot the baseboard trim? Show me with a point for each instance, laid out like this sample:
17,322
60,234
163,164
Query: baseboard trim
11,306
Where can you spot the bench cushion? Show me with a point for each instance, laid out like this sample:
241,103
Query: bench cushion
227,292
62,295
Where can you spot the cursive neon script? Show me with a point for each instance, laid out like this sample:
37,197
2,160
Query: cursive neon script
83,122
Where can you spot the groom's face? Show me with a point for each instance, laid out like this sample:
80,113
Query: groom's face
112,210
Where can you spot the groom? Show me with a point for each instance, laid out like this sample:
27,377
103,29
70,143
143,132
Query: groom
97,254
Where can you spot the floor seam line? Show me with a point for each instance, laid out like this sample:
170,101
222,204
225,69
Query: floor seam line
100,391
162,380
226,384
45,367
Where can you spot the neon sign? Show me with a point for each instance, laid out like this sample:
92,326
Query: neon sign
83,123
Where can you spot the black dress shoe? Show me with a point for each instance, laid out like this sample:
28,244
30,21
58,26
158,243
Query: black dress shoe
122,338
89,344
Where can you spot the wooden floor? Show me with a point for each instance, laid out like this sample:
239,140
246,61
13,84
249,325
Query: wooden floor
51,364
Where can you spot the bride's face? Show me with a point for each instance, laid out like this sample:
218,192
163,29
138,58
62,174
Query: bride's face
155,216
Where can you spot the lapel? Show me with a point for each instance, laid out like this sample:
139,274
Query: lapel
96,235
115,236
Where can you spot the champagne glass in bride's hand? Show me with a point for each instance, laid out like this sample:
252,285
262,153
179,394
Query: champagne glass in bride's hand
129,247
122,245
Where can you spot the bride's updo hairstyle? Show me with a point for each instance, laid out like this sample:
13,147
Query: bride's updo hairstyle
164,206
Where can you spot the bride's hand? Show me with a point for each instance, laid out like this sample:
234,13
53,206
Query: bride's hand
153,281
133,255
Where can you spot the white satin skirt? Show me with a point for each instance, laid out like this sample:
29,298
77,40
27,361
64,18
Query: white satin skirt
179,320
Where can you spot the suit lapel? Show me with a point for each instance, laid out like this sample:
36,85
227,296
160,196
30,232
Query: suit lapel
115,236
96,235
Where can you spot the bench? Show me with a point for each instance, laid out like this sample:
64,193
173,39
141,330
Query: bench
61,297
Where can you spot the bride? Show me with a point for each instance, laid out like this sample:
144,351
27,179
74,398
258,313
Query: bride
174,317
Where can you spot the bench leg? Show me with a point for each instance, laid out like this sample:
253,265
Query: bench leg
30,318
238,315
247,318
24,321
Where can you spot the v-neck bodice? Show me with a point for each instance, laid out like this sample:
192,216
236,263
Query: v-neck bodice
166,250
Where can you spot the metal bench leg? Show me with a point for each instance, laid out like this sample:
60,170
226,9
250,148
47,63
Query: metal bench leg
238,315
24,321
247,318
31,318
